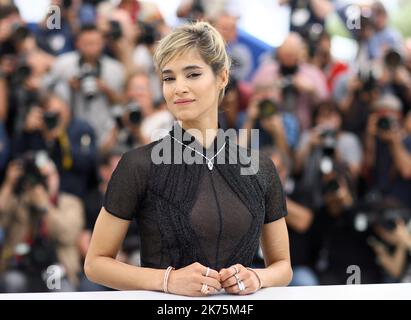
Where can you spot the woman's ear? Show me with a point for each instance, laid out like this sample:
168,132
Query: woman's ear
224,78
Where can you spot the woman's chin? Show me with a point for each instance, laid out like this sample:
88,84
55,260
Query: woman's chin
185,116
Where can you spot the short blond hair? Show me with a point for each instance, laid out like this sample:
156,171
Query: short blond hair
200,36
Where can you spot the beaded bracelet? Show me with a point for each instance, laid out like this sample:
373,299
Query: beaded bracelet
258,277
165,280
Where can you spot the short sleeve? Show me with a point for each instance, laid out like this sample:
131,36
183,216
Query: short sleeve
275,206
125,189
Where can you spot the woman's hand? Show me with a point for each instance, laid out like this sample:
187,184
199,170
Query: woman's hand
232,278
188,281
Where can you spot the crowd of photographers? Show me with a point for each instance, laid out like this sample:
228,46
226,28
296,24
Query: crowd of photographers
74,98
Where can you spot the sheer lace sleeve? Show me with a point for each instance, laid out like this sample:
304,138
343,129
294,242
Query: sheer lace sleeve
275,206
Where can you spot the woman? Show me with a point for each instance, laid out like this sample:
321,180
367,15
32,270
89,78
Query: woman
200,223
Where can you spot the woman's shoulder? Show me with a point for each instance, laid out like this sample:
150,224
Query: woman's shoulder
139,157
257,162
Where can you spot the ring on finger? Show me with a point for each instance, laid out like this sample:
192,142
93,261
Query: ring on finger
236,270
241,285
207,271
204,289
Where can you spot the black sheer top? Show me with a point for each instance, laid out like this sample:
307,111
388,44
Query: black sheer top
187,213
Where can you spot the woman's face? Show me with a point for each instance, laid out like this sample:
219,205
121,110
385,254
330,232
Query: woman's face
190,87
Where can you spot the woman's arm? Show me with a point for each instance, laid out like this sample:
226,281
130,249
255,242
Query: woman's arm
101,265
275,247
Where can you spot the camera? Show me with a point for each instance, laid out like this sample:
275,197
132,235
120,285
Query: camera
392,59
330,186
31,164
134,114
368,79
328,142
288,90
267,108
88,80
115,32
148,34
51,119
380,210
67,3
384,123
22,72
328,147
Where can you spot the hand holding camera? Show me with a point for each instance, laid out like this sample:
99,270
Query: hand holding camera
34,120
13,174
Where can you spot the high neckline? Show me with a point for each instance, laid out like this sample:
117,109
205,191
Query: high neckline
186,138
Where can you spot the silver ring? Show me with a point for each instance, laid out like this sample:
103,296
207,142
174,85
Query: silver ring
204,288
237,278
241,285
207,271
236,270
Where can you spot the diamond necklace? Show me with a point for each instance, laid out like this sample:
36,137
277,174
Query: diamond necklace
210,165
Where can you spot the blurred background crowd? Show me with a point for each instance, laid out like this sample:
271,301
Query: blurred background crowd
78,89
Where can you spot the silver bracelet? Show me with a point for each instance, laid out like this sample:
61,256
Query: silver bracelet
258,277
165,280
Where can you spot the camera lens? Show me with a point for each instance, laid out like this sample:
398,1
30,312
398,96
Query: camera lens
267,108
384,123
134,115
51,119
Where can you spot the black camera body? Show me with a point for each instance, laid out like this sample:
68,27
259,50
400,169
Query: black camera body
31,176
393,59
267,108
134,114
330,187
384,123
51,119
328,142
379,210
115,32
22,72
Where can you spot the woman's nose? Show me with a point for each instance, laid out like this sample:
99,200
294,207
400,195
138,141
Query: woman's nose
180,86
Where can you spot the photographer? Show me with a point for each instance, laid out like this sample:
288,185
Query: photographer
308,15
326,145
396,78
59,40
69,141
22,65
355,94
336,240
391,241
276,127
41,226
137,118
385,37
302,85
319,51
388,151
95,81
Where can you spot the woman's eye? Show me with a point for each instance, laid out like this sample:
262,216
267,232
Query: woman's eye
168,79
194,75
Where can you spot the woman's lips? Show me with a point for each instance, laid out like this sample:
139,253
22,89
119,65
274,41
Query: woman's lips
183,101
